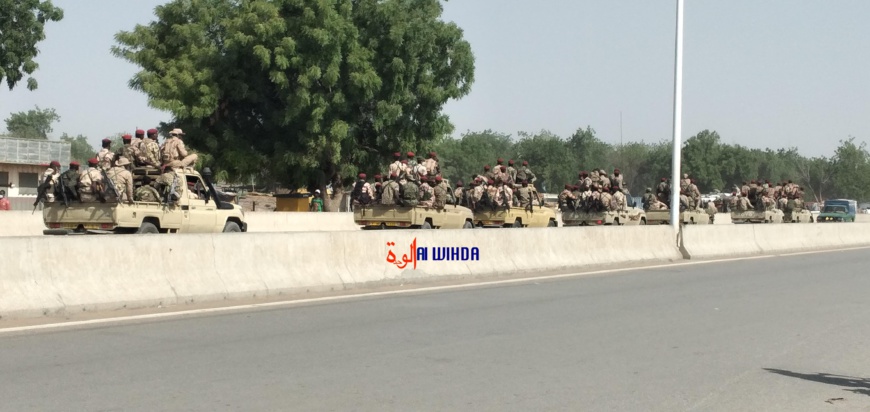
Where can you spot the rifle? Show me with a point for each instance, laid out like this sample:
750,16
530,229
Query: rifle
62,190
40,193
172,190
111,184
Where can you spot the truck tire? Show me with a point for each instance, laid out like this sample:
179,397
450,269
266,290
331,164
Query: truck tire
232,227
552,224
426,225
517,223
147,228
468,225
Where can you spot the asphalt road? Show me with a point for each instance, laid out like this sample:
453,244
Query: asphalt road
771,334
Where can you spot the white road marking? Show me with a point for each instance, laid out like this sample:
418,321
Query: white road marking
123,319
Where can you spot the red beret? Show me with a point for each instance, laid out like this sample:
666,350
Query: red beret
511,162
567,186
93,161
54,163
615,170
393,174
397,154
410,154
459,184
127,137
424,178
152,131
378,176
362,175
489,181
525,163
503,169
404,161
486,167
140,132
664,178
432,154
74,163
107,141
500,160
438,178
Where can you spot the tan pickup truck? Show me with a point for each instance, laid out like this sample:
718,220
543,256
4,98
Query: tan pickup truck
630,216
536,216
687,217
198,209
412,217
757,216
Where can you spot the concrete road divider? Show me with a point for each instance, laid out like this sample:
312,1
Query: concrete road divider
56,275
705,242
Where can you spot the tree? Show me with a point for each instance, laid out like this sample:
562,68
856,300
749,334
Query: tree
549,159
310,91
21,28
33,124
80,149
849,168
700,159
464,157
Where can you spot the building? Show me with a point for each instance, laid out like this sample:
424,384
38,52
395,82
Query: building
22,162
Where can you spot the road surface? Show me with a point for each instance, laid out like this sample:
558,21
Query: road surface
774,334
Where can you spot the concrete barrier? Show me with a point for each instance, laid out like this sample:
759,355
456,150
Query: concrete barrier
706,242
49,275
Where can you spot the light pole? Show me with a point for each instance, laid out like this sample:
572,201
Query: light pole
678,119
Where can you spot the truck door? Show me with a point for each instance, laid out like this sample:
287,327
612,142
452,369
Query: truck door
201,216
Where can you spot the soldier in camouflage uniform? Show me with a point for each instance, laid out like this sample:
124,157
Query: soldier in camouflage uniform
459,194
146,192
90,182
442,193
123,180
647,199
105,155
128,150
396,167
527,173
426,194
512,172
391,191
174,154
619,200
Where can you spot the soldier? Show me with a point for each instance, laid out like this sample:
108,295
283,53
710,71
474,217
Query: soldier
51,176
567,199
420,168
685,202
663,190
685,182
409,193
487,173
585,181
478,193
432,164
410,158
593,175
146,192
603,180
648,198
734,201
171,187
397,167
149,153
527,173
138,142
606,198
657,205
392,191
441,192
492,193
524,195
459,194
69,181
694,194
174,154
594,198
502,176
744,189
362,193
128,150
512,172
123,180
91,182
426,194
619,200
406,172
378,189
616,180
105,155
507,194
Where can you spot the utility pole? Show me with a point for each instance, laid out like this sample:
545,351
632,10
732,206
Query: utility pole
678,119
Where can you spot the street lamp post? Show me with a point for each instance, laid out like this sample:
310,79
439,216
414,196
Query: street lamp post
678,114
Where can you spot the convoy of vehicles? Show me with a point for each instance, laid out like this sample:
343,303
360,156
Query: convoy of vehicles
198,208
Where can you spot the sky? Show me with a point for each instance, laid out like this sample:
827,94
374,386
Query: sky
763,74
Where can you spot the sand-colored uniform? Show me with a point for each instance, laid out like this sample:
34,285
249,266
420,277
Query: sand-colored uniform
619,201
174,154
427,195
123,180
105,158
88,183
146,193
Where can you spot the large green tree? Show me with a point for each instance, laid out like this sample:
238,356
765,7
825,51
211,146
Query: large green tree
21,28
32,124
306,92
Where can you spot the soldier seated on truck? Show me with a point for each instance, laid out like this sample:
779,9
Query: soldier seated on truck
656,204
146,192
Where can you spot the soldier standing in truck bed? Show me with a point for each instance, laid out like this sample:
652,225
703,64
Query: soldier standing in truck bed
89,181
105,157
527,173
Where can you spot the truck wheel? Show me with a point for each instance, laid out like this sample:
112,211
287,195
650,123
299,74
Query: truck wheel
426,225
552,224
232,227
468,225
147,228
517,223
643,221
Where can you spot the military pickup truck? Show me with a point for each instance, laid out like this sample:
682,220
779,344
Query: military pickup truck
757,216
195,208
687,217
536,216
630,216
412,217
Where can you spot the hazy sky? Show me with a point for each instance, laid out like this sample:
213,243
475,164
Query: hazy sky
773,73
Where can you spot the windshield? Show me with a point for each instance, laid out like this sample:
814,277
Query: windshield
834,209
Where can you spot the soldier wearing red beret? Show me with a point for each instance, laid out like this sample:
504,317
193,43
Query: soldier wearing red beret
105,157
90,182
